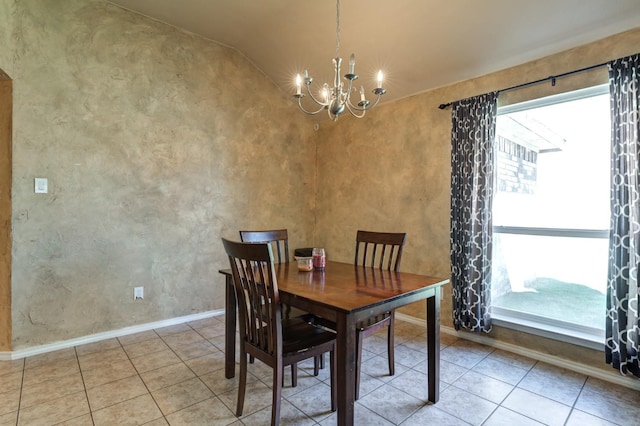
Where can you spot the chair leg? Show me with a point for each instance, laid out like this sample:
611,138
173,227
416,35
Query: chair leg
316,365
278,377
391,345
358,361
294,375
243,384
334,379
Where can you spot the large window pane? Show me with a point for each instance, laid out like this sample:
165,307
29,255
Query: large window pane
551,209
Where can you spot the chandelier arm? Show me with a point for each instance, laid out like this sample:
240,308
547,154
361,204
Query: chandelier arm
367,108
324,104
353,111
306,111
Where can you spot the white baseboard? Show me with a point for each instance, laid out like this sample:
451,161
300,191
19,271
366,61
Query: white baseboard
612,377
50,347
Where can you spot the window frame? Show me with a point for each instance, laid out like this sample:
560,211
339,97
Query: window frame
534,324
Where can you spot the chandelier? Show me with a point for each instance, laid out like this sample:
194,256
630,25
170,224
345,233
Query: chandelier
337,99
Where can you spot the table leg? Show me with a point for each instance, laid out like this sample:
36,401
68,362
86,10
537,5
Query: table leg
230,329
345,357
433,346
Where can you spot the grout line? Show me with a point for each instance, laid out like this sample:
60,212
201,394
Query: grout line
84,385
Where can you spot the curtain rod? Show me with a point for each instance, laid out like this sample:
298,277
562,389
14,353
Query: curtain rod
542,80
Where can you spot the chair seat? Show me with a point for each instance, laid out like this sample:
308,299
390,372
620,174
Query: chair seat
300,336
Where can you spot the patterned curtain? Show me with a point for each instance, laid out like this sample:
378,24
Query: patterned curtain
472,156
623,324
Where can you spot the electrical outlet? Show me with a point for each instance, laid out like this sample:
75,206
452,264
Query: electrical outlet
138,293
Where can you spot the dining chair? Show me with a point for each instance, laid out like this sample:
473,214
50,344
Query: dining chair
382,250
264,334
279,241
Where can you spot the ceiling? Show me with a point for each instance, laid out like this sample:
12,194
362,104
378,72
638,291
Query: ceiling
419,44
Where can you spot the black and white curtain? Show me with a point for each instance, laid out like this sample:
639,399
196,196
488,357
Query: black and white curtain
472,158
623,323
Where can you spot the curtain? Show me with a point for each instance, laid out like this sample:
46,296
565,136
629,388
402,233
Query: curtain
622,322
472,158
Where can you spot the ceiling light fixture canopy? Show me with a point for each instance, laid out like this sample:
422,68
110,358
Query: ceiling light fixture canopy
337,99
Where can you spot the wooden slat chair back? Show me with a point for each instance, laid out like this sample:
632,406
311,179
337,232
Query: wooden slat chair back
382,250
278,238
264,335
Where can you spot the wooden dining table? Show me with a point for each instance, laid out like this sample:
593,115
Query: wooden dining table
345,294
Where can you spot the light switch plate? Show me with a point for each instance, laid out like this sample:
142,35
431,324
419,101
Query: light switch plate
41,185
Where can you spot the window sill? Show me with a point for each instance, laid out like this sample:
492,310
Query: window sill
588,337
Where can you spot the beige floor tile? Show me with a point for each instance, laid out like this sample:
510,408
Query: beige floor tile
115,392
85,420
393,405
145,347
158,422
100,359
537,407
38,393
101,346
195,350
137,337
219,384
465,406
167,376
315,401
184,338
11,381
50,371
106,373
210,411
211,331
11,366
9,419
50,357
136,411
289,415
56,411
207,364
258,396
181,395
9,401
155,360
206,322
172,329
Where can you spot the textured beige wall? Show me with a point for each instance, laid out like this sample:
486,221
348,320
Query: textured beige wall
5,211
156,143
391,172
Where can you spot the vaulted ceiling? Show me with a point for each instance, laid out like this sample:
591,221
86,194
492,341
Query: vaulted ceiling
419,44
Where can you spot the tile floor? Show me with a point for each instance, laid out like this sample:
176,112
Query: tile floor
175,375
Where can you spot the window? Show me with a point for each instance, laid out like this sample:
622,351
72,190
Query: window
551,214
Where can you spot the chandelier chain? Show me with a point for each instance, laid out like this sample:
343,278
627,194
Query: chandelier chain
337,28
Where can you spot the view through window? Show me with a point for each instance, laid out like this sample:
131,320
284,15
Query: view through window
551,211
